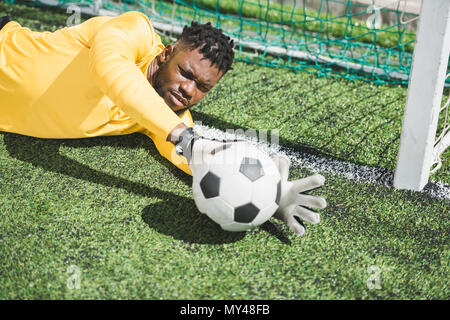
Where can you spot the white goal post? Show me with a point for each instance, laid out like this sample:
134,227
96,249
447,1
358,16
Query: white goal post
424,97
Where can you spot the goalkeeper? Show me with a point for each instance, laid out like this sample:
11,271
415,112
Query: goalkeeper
113,76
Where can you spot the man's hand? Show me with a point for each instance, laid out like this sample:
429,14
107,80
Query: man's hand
174,135
292,205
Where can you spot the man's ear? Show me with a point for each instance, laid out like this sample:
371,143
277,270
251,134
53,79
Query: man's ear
166,54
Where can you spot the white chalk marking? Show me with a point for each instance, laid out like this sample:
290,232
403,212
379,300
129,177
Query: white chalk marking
317,164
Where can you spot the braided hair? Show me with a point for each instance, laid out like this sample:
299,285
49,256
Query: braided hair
213,44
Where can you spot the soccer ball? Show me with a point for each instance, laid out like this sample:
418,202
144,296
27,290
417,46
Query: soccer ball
238,187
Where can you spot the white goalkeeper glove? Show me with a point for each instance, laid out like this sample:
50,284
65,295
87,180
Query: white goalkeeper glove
196,148
292,205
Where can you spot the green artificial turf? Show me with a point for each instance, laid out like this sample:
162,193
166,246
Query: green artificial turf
113,207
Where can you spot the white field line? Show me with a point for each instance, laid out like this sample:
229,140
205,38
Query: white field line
348,170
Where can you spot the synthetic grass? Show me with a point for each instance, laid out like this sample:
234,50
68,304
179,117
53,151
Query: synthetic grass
113,207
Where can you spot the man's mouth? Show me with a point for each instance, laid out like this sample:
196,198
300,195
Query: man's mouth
177,99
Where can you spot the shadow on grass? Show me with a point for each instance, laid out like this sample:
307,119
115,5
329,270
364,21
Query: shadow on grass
175,215
179,218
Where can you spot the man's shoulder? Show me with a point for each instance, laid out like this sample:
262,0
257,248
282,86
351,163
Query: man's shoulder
140,23
136,15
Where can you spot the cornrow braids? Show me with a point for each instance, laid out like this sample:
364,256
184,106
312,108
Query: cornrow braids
213,44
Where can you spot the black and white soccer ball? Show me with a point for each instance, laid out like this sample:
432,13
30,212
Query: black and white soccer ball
238,188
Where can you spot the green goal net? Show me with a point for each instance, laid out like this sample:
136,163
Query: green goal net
372,40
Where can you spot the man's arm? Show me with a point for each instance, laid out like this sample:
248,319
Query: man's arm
115,50
166,147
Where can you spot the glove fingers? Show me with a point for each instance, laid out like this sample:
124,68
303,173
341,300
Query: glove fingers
307,215
311,201
308,183
283,163
296,225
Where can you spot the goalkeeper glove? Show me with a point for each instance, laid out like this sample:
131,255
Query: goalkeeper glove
292,205
195,148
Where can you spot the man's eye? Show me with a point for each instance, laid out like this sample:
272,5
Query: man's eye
203,88
184,73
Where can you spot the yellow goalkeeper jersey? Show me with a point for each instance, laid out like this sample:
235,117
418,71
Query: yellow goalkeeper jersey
84,81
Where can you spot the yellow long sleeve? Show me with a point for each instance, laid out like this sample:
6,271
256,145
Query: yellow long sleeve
85,81
167,149
116,48
82,81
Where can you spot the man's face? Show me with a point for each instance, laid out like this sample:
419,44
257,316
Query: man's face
184,77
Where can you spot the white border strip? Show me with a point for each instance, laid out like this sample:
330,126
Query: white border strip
348,170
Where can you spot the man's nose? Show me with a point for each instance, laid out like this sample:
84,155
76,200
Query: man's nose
188,89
